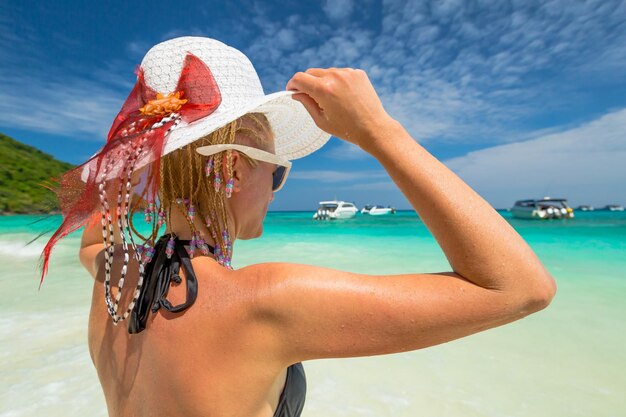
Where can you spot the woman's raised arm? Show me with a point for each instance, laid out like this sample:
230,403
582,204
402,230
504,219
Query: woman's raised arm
478,242
315,312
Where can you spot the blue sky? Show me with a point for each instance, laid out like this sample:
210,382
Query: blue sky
520,98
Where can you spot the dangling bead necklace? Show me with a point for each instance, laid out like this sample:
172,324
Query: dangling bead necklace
223,259
217,181
161,219
169,248
191,212
148,212
208,166
197,241
123,220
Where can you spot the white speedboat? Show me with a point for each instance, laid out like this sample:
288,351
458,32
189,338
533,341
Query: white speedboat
377,210
335,209
585,208
614,207
546,208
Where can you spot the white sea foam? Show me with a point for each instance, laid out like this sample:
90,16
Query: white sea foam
45,365
21,245
16,247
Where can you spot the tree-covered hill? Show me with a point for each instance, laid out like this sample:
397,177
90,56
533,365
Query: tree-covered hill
22,169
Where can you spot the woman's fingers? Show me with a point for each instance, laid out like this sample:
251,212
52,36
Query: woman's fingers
341,101
311,105
318,72
304,82
308,88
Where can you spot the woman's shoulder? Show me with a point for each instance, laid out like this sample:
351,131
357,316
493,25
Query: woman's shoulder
229,303
231,290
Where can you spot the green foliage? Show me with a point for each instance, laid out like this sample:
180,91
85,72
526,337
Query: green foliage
23,169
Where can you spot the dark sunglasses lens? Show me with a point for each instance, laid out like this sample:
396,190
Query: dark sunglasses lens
278,175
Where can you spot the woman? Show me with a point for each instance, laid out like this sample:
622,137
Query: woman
206,339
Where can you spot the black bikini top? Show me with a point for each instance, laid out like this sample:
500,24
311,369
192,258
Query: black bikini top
158,274
292,397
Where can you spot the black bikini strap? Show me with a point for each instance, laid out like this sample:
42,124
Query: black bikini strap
158,274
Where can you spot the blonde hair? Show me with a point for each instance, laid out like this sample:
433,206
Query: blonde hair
182,175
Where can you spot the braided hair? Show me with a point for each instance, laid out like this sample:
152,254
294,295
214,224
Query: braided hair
190,186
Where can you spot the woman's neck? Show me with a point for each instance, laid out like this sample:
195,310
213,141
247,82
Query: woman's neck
179,225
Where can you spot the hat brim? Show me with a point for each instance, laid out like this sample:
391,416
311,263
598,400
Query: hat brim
295,132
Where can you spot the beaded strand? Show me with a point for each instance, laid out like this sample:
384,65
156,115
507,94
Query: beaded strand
122,223
147,249
108,244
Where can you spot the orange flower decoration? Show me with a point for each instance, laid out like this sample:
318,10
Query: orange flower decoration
163,105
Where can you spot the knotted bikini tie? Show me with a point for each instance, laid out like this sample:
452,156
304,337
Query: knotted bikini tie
159,273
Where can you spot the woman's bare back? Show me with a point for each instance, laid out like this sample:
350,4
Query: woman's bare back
227,354
199,362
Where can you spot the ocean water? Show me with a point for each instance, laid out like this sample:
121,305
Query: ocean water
567,360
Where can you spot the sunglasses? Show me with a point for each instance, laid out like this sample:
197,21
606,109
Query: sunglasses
283,165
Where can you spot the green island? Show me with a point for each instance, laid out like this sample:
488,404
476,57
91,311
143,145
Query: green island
23,170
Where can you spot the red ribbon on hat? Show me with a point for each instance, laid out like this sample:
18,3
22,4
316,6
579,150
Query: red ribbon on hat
196,96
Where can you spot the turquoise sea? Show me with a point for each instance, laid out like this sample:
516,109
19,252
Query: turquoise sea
567,360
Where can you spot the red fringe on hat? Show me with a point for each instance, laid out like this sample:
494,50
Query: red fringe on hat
197,95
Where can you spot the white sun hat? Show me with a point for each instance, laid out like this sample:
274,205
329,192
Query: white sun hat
296,134
186,88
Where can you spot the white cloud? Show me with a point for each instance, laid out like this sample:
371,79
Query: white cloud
346,151
137,48
337,176
37,94
338,9
72,105
586,165
373,186
452,71
286,38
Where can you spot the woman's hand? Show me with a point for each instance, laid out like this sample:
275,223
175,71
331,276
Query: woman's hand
341,101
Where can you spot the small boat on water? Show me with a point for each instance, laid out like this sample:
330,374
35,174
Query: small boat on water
377,210
614,207
335,209
546,208
585,208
